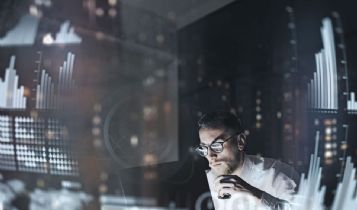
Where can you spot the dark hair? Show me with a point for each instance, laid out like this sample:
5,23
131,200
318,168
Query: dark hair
221,120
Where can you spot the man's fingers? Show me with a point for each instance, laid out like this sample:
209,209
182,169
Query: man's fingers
233,180
225,186
225,191
219,186
227,181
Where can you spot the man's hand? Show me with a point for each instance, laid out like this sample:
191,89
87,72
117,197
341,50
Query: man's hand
227,185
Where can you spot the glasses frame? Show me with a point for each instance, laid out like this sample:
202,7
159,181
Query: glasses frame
213,142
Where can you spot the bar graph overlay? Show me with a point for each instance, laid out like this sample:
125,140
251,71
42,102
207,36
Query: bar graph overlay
49,96
11,97
352,104
66,35
323,88
24,32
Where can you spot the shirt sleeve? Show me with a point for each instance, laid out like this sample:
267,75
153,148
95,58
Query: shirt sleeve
285,188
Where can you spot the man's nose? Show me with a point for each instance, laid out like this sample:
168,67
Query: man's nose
211,153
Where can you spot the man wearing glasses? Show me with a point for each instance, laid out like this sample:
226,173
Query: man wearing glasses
264,182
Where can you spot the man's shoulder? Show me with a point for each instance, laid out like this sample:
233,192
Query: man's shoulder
278,166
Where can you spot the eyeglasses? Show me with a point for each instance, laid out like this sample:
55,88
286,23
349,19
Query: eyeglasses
216,146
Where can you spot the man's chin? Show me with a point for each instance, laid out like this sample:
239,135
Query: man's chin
219,170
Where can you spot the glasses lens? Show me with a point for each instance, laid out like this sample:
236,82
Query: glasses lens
202,150
216,147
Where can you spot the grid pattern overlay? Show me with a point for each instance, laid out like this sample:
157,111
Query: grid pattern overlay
36,145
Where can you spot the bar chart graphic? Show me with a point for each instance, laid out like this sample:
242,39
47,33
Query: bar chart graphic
323,88
66,35
352,104
11,97
24,32
49,96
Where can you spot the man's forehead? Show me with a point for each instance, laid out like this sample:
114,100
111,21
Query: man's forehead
207,135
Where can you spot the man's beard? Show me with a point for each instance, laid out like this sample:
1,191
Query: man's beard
225,169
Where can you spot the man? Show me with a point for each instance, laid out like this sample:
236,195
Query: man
267,183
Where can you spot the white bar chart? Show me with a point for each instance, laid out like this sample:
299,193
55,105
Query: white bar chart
352,104
11,96
46,95
323,88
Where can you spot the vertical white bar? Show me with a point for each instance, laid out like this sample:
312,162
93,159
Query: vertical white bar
15,90
328,40
5,87
48,100
42,87
12,62
316,89
22,105
72,56
60,83
319,90
37,96
21,90
45,92
10,90
324,79
8,81
17,100
353,97
350,102
333,62
49,80
20,98
65,81
327,59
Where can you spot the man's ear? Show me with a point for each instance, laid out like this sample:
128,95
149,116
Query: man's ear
241,141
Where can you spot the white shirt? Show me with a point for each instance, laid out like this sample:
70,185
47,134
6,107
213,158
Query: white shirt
269,175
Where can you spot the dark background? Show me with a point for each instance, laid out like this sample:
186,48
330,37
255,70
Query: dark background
239,58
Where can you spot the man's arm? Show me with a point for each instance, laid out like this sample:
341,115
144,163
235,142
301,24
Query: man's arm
238,183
